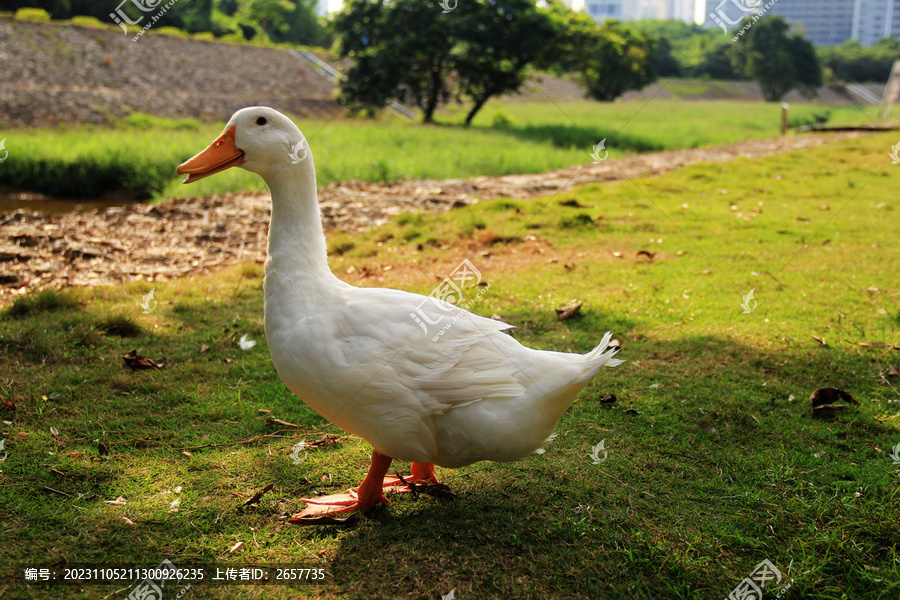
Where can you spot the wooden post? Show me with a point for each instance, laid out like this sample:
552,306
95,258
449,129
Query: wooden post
785,107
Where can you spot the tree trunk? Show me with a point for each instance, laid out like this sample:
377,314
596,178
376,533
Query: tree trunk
434,93
477,106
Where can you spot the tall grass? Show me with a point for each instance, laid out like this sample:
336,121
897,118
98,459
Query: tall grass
138,155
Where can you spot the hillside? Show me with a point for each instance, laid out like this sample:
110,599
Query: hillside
54,73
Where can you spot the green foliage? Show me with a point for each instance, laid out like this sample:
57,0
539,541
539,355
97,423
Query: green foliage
776,60
400,50
410,51
618,59
687,49
281,21
608,59
496,42
852,62
90,22
36,15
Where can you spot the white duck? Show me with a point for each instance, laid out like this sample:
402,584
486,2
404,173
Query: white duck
360,357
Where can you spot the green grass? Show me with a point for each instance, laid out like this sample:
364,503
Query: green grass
721,468
139,154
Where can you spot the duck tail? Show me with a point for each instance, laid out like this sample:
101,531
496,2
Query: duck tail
602,355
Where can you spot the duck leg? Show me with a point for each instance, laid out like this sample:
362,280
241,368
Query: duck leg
367,495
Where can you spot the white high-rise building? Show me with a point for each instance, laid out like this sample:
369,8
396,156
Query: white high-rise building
630,10
823,22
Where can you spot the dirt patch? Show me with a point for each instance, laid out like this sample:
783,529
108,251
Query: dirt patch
193,236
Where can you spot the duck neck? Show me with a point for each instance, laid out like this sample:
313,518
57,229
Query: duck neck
297,247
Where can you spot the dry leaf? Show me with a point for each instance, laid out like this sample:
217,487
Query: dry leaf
136,362
258,495
54,431
820,340
236,548
174,504
707,427
187,454
120,501
7,406
127,521
567,311
641,253
75,455
608,399
824,401
819,454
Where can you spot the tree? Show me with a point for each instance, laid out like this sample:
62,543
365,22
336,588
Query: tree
495,43
617,60
854,62
411,51
777,61
401,50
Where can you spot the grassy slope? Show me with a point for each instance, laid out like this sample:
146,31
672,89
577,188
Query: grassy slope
720,470
142,152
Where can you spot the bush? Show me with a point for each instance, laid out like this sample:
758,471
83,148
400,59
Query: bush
35,15
89,22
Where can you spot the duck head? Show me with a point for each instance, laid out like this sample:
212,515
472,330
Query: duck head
258,139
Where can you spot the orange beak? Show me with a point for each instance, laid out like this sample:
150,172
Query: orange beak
220,155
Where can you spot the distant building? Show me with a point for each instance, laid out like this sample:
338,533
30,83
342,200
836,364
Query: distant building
823,22
631,10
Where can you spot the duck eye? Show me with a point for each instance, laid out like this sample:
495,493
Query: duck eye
261,121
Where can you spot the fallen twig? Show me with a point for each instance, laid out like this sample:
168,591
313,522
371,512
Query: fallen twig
243,442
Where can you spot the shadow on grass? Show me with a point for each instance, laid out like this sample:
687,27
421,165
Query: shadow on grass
714,473
573,136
